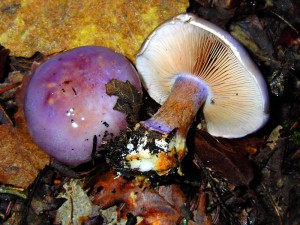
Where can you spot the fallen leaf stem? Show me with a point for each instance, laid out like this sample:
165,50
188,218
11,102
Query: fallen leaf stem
216,192
285,21
2,216
11,86
269,198
30,195
20,192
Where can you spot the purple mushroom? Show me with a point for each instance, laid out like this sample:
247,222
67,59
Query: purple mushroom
66,104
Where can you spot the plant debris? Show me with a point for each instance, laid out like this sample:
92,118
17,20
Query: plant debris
20,158
129,100
250,180
227,161
77,204
161,205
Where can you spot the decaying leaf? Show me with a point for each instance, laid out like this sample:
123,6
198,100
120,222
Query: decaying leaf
77,208
41,199
111,216
222,159
129,100
3,58
251,33
274,137
4,118
274,140
20,158
163,205
52,26
200,215
274,185
292,215
218,11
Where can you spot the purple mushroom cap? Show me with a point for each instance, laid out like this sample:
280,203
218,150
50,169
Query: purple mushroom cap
66,104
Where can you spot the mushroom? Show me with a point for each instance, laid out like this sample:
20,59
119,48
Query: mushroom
187,64
66,104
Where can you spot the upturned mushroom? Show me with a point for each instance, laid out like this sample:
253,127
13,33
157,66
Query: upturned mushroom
187,64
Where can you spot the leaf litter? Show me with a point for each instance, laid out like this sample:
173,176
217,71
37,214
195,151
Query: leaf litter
253,180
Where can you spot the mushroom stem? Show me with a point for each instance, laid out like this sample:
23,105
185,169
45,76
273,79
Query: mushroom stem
178,112
159,143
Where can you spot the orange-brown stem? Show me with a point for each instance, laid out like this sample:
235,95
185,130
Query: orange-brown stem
180,109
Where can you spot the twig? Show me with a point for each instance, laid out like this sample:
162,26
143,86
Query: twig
285,21
11,86
273,203
20,192
64,170
214,188
31,192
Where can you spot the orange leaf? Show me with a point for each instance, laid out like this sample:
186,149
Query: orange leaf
20,158
163,205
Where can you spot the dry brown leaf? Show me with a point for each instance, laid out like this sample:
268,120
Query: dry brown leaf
200,215
77,207
52,26
129,99
228,160
20,158
165,205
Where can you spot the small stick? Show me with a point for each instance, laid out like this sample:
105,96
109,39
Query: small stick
210,180
20,192
11,86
